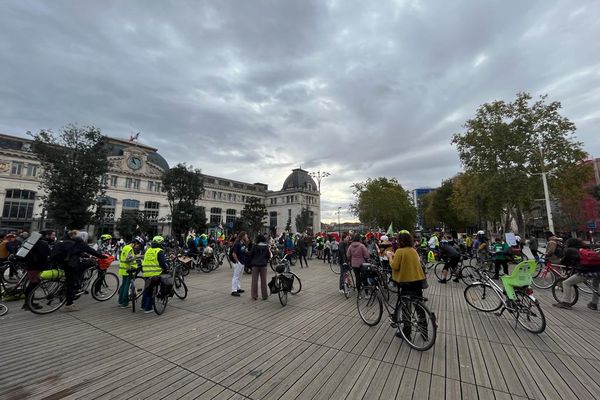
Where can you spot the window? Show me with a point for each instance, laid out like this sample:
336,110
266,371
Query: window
17,168
128,183
273,219
113,180
105,180
18,204
215,215
151,210
224,183
243,199
150,186
230,215
157,187
131,204
136,184
151,205
289,213
214,195
31,170
108,209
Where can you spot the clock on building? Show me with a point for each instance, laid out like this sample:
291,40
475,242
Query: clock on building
134,162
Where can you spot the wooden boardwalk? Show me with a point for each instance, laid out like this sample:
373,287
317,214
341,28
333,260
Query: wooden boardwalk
215,346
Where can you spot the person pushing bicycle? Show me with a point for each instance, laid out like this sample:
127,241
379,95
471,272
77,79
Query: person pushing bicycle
128,260
153,265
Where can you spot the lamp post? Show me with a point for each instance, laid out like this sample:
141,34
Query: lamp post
546,193
318,176
339,227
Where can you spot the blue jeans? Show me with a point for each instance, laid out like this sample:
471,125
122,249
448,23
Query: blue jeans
124,290
147,296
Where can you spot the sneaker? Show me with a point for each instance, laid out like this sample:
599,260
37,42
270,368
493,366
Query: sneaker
592,306
455,280
442,280
341,291
148,311
236,294
123,306
561,304
240,290
71,308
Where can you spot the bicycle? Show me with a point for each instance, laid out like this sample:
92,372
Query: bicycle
179,286
466,273
283,282
348,281
162,290
135,289
51,293
414,322
547,274
15,291
558,291
516,297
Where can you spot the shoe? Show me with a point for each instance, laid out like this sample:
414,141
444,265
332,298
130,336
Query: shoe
561,304
455,280
442,280
341,291
240,290
71,308
592,306
148,311
123,306
236,294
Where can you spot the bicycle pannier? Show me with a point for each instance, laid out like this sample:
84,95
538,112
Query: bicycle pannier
589,258
273,285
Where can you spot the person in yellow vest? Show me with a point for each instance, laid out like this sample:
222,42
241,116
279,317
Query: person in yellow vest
128,260
154,264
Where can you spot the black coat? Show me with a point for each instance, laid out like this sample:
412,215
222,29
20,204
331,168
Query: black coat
66,253
259,255
38,257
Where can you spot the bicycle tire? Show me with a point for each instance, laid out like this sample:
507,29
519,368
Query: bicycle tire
525,303
132,294
585,288
423,338
438,269
3,309
335,268
205,267
369,305
558,293
181,290
469,274
349,285
185,270
159,303
105,280
476,293
296,288
282,297
544,279
52,295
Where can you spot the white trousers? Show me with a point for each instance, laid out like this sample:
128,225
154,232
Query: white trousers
237,273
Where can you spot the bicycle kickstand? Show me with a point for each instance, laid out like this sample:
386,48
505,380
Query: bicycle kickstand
499,314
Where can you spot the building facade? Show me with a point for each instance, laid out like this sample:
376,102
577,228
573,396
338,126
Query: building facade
134,183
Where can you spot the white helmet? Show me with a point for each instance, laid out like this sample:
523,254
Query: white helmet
480,232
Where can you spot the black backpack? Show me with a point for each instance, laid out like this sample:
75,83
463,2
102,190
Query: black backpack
560,249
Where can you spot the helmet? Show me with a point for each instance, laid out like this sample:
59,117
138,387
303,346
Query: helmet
404,231
480,233
106,236
139,240
443,241
158,239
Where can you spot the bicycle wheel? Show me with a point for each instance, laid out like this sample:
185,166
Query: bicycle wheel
297,286
558,292
529,313
335,268
3,309
545,278
349,286
417,324
180,287
469,274
184,268
438,269
133,294
482,297
47,297
282,296
586,287
105,286
206,267
160,300
370,305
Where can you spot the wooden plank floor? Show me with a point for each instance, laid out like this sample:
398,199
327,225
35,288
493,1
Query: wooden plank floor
215,346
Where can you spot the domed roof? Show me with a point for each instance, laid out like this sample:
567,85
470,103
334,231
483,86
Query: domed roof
116,149
299,179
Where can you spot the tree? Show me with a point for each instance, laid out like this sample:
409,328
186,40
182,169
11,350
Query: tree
506,146
184,185
440,211
288,224
132,222
382,201
253,215
73,163
303,220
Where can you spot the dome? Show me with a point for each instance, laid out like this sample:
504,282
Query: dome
116,149
299,179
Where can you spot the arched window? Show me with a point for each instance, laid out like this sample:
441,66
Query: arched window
18,204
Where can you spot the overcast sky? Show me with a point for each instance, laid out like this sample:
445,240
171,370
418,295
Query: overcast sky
251,89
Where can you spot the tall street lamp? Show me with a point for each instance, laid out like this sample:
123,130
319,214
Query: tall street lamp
339,227
546,193
318,176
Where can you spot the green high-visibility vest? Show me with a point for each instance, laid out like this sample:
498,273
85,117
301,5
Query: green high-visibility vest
124,265
150,265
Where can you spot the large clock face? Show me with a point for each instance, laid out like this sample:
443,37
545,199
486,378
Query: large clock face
134,162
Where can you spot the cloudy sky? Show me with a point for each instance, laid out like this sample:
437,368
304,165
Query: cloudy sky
251,89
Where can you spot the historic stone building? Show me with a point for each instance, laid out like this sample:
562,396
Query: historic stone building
133,183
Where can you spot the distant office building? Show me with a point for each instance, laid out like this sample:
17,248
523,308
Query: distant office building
417,194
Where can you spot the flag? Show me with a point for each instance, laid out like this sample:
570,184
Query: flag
390,230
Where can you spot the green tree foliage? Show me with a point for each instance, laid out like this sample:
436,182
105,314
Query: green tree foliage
303,220
73,162
507,144
440,211
382,201
253,215
184,185
132,222
288,224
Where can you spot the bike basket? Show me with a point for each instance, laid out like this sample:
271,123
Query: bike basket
51,274
104,263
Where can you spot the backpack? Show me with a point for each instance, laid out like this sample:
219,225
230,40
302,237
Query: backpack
589,258
559,251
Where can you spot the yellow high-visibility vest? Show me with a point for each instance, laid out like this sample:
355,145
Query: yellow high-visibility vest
150,265
124,265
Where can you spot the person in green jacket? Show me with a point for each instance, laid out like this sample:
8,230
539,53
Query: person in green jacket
500,253
128,260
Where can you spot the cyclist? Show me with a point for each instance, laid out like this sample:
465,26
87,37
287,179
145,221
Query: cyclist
105,243
37,260
66,254
343,259
128,260
499,253
408,275
554,248
452,258
357,254
154,264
